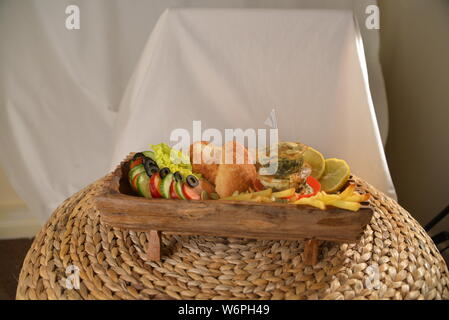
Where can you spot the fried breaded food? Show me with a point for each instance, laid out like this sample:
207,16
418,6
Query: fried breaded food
204,185
236,153
236,173
234,177
204,157
230,168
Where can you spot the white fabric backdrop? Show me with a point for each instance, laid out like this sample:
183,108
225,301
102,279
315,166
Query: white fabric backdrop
60,90
229,68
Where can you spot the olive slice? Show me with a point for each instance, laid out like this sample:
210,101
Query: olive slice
151,161
163,172
138,155
214,196
192,181
150,167
204,195
177,176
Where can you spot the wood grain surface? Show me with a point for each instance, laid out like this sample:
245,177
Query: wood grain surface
120,208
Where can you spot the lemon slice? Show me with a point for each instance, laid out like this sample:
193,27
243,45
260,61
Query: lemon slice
336,174
316,160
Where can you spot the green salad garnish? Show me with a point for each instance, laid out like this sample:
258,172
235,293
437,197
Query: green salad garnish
175,160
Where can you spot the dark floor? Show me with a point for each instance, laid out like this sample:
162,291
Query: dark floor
12,253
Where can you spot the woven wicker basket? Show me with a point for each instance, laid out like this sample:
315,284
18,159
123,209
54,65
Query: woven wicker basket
395,259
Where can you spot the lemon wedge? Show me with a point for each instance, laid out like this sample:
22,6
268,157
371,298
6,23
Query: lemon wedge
336,174
316,160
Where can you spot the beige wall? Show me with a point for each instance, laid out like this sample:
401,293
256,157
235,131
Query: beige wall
8,197
415,60
16,220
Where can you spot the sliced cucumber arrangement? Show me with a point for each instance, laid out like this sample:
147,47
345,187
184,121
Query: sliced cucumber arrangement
178,190
143,186
163,172
133,174
149,154
135,170
150,181
165,185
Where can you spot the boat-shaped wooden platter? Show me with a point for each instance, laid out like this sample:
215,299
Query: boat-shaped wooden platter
120,207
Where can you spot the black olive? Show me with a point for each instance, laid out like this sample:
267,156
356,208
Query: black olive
150,167
192,181
150,161
138,155
178,176
163,172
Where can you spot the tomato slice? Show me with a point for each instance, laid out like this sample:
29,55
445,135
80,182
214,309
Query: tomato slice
190,193
135,162
173,194
155,182
314,184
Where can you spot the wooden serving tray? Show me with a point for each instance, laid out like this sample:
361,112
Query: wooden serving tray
120,207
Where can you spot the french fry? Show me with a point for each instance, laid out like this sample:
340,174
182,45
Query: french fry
267,199
349,199
311,202
263,193
356,197
261,199
248,196
326,198
348,205
240,197
348,191
287,193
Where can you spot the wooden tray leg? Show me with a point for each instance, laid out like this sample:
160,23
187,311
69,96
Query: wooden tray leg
154,245
311,252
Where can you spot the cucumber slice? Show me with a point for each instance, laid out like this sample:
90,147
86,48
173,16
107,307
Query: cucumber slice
165,185
143,186
178,190
134,171
149,154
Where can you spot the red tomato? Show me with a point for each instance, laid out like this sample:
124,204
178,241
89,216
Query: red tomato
314,184
155,182
135,162
190,193
173,194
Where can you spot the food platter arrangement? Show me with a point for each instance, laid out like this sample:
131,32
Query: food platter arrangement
229,191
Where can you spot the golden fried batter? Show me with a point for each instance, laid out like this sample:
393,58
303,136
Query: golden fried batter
235,172
202,162
240,175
